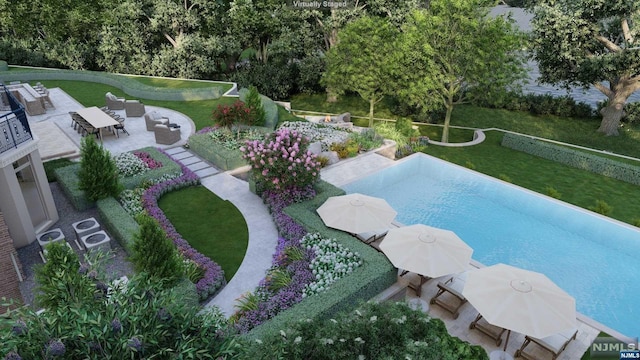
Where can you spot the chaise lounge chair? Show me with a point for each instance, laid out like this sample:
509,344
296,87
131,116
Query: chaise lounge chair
555,344
492,331
453,287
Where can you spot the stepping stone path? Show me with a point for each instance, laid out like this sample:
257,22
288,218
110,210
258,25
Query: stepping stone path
196,164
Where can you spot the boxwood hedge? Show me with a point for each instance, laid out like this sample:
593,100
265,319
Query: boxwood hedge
574,158
375,275
117,221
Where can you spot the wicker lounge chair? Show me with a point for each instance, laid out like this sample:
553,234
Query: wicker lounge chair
492,331
113,102
453,287
555,344
152,119
166,135
134,108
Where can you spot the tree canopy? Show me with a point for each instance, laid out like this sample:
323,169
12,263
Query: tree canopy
363,61
454,51
590,42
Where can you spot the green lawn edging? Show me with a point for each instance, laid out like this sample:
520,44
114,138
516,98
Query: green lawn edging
374,276
574,158
223,158
124,83
118,223
270,109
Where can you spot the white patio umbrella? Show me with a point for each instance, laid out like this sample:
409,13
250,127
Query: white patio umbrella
356,213
426,250
520,300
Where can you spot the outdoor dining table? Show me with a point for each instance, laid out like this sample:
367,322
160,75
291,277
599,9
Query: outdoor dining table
98,119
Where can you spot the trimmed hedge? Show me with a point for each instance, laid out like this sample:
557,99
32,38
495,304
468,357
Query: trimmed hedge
223,158
374,276
68,178
117,221
70,183
270,109
126,84
168,167
574,158
4,66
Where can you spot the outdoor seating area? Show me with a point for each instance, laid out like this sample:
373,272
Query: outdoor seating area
60,135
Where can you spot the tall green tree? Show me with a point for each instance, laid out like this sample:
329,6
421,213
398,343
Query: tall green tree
453,51
155,254
590,42
364,61
98,175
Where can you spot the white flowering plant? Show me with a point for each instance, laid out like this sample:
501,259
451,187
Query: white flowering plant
129,164
332,261
326,135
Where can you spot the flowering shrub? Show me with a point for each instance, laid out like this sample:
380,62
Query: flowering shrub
234,141
282,161
149,162
130,201
332,261
229,115
129,164
326,135
213,274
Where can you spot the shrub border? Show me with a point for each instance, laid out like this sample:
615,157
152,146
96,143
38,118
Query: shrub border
574,158
129,86
374,276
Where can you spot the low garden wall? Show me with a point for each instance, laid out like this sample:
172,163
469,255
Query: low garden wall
574,158
223,158
374,276
122,82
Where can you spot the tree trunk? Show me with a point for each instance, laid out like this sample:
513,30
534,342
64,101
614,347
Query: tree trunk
611,116
331,95
372,104
447,117
613,113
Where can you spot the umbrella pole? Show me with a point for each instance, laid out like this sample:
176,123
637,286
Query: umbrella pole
507,340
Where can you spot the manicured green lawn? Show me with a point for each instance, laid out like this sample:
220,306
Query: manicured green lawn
578,187
92,94
179,83
213,226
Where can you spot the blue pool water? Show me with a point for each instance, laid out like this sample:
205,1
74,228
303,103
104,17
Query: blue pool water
592,258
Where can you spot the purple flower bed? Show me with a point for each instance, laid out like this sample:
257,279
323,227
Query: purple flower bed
207,129
213,278
301,274
148,160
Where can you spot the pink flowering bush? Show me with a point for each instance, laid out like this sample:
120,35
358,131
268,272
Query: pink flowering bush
282,162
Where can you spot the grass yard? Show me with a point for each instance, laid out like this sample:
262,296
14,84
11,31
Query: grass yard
179,83
213,226
92,94
578,187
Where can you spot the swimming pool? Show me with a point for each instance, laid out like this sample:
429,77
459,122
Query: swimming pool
591,257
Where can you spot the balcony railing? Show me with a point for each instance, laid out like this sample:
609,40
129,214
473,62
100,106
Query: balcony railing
14,127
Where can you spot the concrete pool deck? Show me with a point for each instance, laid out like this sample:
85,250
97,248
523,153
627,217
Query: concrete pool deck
345,172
